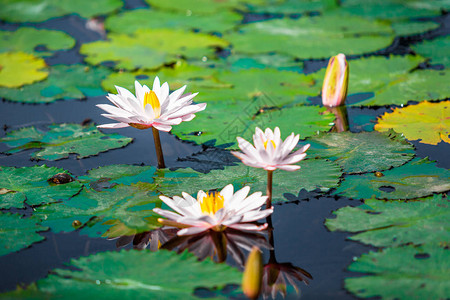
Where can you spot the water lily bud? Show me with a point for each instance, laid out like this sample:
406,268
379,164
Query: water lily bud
335,83
252,278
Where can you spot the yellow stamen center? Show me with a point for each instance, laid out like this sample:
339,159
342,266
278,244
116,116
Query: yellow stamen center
266,142
211,203
152,99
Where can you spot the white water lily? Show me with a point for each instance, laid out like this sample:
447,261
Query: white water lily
215,210
270,152
150,108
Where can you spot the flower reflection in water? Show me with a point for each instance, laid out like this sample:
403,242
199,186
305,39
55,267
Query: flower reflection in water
155,238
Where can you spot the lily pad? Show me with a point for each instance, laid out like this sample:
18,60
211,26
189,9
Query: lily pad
120,210
31,185
150,48
132,275
326,36
394,9
384,224
402,273
38,11
202,6
415,179
410,27
295,6
130,21
314,174
62,140
436,49
362,152
426,121
18,68
17,233
39,42
64,82
236,62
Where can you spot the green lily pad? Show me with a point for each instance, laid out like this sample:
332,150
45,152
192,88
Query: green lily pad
120,210
402,273
132,274
17,233
295,6
426,121
326,36
39,42
38,11
104,177
436,49
64,82
415,179
203,6
130,21
62,140
384,224
18,68
362,152
150,48
314,174
410,27
31,185
236,62
394,9
196,78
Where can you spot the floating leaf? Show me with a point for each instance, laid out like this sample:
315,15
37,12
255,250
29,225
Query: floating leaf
410,28
436,49
295,6
32,185
314,174
415,179
202,6
326,36
62,140
384,224
402,273
426,121
394,9
126,207
40,42
237,62
362,152
132,274
38,11
130,21
18,68
64,82
17,233
150,48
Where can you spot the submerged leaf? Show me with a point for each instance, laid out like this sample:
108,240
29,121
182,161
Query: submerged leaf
37,11
31,185
64,82
132,274
62,140
426,121
402,273
40,42
415,179
362,152
17,233
384,224
18,68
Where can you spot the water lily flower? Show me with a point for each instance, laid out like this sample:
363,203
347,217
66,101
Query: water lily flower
335,83
150,108
215,211
270,153
156,109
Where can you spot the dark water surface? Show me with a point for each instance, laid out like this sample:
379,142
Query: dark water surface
300,236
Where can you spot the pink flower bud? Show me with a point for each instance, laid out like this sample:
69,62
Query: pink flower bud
335,83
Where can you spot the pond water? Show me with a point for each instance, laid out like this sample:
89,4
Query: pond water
299,234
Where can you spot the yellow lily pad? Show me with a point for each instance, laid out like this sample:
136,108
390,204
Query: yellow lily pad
428,122
18,68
